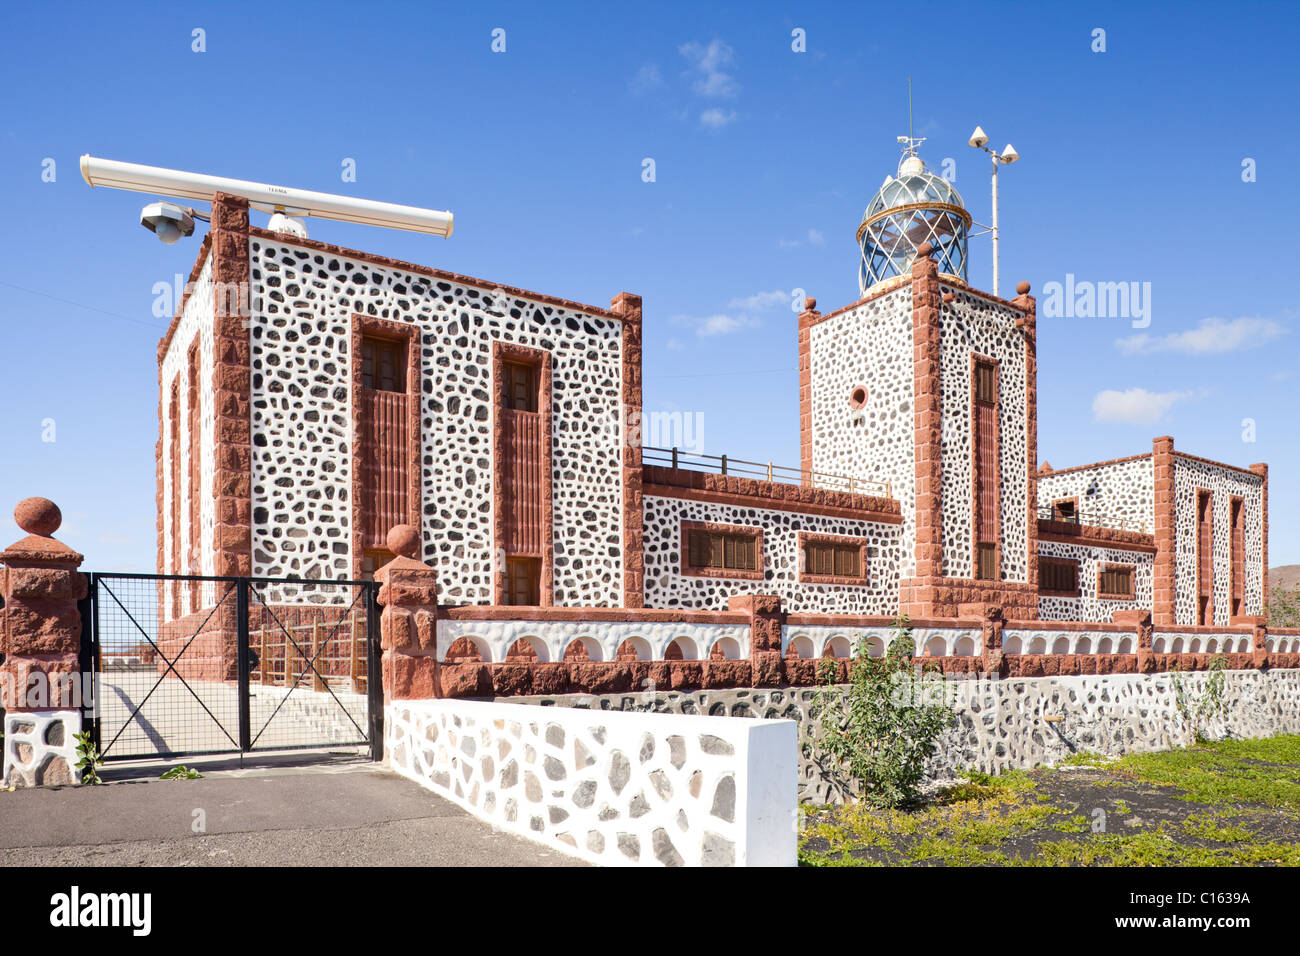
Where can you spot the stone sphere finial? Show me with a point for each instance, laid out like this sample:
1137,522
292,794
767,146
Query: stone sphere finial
809,304
1022,288
924,250
403,541
39,516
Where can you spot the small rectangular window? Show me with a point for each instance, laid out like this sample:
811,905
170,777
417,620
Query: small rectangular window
520,385
1067,509
720,551
1116,582
840,560
383,365
986,383
1059,576
988,561
523,581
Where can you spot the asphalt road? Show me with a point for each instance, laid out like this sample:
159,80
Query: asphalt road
277,810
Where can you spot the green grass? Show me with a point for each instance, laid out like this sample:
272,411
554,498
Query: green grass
1224,771
1244,785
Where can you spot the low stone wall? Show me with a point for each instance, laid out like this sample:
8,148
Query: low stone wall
1001,724
611,788
40,748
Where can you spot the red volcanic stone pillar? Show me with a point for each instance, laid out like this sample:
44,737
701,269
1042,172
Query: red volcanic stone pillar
628,307
40,637
231,385
1140,620
1259,645
807,319
1162,461
918,596
991,640
1029,324
408,625
766,620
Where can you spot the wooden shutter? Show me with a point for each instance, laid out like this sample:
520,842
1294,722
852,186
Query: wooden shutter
1237,559
384,441
986,491
1205,557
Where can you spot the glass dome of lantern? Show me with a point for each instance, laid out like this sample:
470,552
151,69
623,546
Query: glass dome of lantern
913,207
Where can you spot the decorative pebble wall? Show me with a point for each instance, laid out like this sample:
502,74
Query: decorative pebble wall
303,303
617,789
667,587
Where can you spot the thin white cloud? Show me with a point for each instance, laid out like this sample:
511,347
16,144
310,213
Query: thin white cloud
646,80
724,325
1211,337
711,63
816,238
760,301
1135,406
742,312
674,345
715,118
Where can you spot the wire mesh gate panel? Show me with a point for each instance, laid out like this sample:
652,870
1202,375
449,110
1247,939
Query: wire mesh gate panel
188,665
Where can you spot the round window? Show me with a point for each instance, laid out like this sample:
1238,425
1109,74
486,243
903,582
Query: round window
858,397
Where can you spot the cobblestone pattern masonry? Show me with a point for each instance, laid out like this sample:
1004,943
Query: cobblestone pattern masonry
1000,724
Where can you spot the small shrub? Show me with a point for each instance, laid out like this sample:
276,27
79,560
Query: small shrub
181,772
89,758
1199,709
885,725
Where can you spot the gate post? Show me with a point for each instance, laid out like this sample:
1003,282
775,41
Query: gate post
40,637
408,626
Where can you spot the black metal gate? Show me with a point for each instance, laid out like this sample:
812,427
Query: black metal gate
188,665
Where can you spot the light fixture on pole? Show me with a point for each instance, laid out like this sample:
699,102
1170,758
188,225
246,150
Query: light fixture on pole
979,139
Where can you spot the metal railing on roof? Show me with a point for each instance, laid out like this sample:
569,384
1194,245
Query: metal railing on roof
1092,519
764,471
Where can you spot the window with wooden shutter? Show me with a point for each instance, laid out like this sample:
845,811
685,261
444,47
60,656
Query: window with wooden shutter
1237,556
1058,576
523,581
383,365
1205,557
984,446
520,386
722,551
829,559
1115,582
384,447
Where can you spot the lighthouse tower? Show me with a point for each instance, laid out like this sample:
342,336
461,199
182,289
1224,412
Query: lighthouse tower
929,384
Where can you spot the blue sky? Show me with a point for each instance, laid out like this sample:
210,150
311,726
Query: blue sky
764,158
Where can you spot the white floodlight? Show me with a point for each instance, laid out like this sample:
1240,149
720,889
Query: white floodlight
292,202
166,221
979,139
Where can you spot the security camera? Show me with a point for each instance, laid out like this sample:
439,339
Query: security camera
166,221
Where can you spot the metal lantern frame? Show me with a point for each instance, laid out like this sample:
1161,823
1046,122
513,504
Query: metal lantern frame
892,230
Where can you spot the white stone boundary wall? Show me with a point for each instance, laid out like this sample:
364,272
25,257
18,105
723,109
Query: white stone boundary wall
550,639
40,748
1000,724
611,788
813,642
